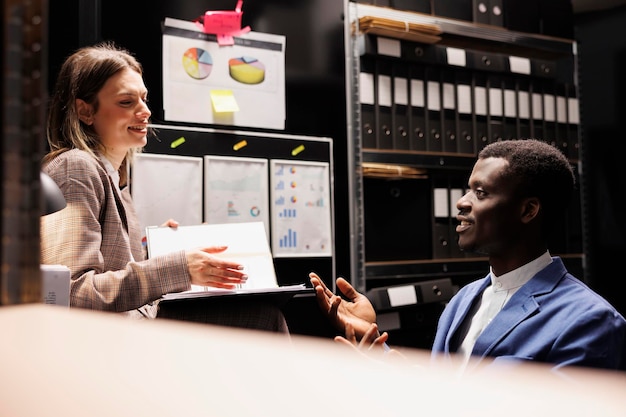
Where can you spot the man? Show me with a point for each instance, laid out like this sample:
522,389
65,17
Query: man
528,308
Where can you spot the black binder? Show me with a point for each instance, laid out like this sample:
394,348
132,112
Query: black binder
393,222
495,99
464,105
481,110
367,98
433,111
573,122
417,110
522,86
449,112
384,101
536,102
511,114
549,113
401,126
562,128
441,217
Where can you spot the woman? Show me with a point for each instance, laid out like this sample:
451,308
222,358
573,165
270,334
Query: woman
98,119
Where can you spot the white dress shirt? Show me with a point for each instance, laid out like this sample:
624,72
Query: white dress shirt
494,299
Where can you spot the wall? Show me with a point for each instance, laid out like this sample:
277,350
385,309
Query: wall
602,55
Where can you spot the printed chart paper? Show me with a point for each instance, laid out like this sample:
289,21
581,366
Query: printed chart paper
167,186
240,85
301,208
236,190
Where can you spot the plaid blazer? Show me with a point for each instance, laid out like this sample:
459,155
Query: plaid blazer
97,236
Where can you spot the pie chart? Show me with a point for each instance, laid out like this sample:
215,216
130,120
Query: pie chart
246,70
197,63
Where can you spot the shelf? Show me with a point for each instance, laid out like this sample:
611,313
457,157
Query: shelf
472,35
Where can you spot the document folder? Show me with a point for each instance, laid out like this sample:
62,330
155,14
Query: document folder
401,126
417,108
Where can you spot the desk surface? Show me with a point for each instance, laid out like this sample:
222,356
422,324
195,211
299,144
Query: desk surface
55,361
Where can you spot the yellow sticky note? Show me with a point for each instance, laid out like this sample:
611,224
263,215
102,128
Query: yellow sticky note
297,150
177,142
240,145
224,101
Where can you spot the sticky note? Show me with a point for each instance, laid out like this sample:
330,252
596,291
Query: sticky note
177,142
240,145
224,101
297,150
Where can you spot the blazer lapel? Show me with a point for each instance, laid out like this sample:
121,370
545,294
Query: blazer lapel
463,309
522,305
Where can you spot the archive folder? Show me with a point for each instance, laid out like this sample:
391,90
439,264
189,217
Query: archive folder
536,109
417,110
511,114
573,121
561,119
522,88
400,117
441,218
367,98
433,107
464,99
479,94
384,100
495,115
449,112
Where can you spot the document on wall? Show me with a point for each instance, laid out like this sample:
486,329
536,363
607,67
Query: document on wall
236,190
236,85
167,186
301,208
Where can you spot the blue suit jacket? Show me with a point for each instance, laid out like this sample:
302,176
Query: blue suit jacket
553,318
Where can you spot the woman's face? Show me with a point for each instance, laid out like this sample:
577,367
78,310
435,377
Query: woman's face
121,120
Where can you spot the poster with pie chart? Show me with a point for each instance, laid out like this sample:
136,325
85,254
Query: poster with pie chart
246,70
197,71
197,63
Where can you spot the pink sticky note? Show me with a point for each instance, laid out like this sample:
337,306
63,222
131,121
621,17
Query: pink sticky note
218,22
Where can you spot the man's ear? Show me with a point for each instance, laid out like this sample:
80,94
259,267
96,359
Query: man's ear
530,209
85,111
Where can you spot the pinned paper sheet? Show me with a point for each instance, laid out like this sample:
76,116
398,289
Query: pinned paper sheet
252,71
224,101
224,23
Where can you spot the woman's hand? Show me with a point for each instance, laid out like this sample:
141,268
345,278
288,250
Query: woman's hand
212,271
357,311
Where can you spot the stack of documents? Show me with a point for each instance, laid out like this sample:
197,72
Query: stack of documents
418,32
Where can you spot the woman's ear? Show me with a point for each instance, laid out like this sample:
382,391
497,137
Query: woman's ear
85,111
530,209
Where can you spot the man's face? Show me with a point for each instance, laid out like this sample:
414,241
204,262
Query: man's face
489,214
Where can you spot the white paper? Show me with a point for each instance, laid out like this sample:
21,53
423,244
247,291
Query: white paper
167,186
236,190
301,208
247,244
187,97
456,56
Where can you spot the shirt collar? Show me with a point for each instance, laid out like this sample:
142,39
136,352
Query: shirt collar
112,172
521,275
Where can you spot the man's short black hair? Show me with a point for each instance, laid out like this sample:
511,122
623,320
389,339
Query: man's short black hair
538,169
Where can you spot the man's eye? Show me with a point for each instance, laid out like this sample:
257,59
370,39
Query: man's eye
480,193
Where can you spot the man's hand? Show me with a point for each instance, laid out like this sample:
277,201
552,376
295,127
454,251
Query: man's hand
357,310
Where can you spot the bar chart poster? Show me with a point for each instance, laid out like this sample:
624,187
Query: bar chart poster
235,190
301,208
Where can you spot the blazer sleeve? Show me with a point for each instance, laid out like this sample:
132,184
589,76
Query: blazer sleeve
90,236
